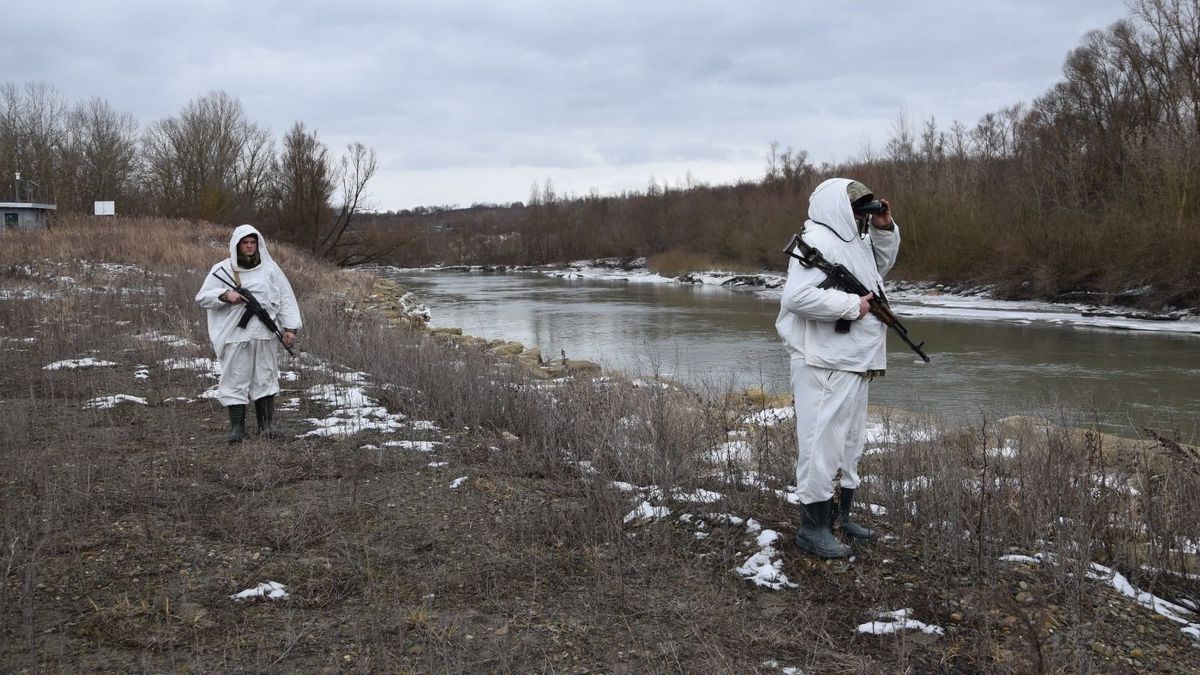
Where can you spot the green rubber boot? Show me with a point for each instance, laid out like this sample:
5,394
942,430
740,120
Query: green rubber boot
264,410
814,535
237,424
841,516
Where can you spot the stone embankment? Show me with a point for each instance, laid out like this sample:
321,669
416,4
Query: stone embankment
401,308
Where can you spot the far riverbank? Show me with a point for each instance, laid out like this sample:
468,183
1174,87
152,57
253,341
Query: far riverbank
913,299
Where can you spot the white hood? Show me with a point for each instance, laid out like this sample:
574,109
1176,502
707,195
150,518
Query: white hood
829,205
240,232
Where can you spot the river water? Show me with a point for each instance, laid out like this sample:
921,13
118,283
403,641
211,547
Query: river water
716,338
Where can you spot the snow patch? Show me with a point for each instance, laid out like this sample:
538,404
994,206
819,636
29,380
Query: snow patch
1008,450
731,452
1174,612
173,341
210,367
770,417
271,590
354,411
104,402
898,620
699,495
645,513
422,446
86,362
1097,572
1021,559
763,568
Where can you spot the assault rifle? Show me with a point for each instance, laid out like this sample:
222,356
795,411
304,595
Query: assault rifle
253,308
837,276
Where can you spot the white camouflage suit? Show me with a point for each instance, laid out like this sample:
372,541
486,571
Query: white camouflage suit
249,356
829,370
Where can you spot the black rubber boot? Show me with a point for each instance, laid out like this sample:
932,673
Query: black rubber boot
237,424
264,410
841,515
815,536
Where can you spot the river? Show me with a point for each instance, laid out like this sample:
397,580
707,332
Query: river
714,338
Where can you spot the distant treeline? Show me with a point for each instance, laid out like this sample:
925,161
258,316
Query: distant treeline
209,163
1093,190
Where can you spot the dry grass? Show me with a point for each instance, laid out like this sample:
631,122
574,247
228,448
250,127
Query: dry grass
679,261
168,246
123,531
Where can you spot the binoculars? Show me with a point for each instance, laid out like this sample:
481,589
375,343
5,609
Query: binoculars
873,207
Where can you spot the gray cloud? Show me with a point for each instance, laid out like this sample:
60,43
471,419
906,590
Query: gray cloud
597,91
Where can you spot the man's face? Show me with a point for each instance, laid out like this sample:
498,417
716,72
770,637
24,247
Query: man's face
248,245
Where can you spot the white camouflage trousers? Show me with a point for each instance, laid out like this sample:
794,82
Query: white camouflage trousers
249,371
831,422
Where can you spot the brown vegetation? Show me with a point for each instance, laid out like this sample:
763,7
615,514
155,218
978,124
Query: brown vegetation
124,531
208,163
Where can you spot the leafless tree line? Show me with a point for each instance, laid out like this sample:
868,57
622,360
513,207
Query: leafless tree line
1089,190
209,162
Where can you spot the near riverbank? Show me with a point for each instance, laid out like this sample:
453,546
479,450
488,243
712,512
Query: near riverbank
434,508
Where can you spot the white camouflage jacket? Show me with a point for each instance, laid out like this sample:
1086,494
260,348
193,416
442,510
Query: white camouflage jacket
807,313
268,284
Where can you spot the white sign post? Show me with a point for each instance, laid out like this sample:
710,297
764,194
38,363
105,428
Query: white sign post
106,208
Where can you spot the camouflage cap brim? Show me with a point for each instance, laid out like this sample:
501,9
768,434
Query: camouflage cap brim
857,191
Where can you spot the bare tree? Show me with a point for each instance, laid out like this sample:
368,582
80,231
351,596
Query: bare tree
100,157
306,184
252,178
303,187
210,162
342,243
1172,45
32,135
902,146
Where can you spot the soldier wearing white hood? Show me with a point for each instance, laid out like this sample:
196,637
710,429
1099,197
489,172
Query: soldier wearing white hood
830,371
249,356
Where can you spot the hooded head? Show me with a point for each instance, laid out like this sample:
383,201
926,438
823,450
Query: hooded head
830,205
243,262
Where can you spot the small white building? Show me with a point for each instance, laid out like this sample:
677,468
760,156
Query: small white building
25,215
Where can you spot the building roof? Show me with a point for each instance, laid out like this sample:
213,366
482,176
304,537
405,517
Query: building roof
28,205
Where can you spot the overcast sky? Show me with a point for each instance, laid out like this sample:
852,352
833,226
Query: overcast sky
474,101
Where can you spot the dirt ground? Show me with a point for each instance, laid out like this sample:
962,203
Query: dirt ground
127,529
390,570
